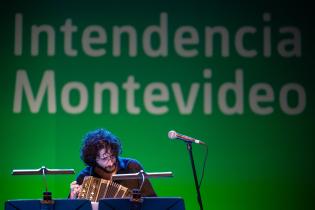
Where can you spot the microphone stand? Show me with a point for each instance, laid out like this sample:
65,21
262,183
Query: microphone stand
189,148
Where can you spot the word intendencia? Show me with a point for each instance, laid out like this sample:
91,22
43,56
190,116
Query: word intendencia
156,41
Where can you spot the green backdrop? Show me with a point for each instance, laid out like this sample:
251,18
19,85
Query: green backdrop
237,75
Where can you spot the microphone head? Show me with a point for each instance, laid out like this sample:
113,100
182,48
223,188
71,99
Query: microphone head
172,134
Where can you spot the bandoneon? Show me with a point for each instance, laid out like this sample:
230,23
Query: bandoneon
95,189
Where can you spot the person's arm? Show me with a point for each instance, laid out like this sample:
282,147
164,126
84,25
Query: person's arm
147,188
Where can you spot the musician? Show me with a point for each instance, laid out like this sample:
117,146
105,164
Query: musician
101,152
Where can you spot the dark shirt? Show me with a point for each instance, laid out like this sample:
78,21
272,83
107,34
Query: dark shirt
125,166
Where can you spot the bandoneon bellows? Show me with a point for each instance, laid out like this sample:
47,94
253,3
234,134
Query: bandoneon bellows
95,189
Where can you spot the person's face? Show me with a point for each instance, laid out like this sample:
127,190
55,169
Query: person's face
106,160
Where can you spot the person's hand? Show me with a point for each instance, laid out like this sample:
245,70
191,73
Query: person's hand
75,189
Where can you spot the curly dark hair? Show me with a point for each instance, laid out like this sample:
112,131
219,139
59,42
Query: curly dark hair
96,140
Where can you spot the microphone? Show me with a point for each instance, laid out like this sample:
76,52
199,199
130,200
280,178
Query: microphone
174,135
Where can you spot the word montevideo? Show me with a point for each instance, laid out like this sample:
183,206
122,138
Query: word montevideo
156,98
